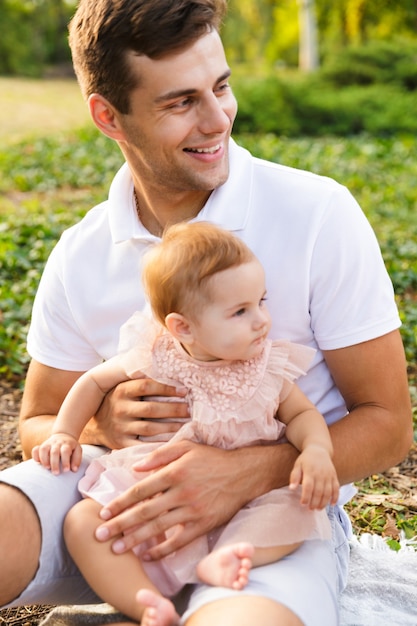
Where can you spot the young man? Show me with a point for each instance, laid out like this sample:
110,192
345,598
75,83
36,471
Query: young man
156,80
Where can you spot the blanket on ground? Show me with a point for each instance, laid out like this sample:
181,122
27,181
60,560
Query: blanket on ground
381,590
382,584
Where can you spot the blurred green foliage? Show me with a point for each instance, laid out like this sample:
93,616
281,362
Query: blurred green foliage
259,32
33,35
370,88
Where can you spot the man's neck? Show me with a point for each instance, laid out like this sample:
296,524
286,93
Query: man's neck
159,213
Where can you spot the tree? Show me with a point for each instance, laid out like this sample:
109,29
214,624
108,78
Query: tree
346,22
308,47
33,35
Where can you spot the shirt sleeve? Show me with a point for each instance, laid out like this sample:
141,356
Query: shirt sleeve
54,337
351,295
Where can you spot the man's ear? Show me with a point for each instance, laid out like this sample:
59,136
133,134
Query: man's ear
104,116
179,327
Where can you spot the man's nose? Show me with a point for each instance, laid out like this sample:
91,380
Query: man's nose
214,115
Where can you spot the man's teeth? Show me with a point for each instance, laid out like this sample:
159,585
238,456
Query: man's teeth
205,150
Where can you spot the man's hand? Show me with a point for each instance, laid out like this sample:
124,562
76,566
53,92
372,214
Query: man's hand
193,487
126,413
130,412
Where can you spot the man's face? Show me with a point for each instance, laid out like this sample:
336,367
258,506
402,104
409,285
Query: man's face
176,135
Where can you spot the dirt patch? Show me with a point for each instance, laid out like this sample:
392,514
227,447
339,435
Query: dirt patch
10,450
23,616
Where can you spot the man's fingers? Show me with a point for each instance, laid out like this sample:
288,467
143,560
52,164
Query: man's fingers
176,498
151,485
157,528
154,426
182,535
143,387
137,505
139,514
122,512
141,522
162,456
151,408
132,410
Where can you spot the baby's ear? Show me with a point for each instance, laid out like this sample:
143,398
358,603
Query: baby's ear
179,327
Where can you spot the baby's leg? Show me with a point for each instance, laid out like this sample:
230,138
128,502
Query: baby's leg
116,578
229,565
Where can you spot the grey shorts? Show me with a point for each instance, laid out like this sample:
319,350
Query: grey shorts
308,581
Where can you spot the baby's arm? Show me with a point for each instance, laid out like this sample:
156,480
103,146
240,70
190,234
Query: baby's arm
308,432
83,401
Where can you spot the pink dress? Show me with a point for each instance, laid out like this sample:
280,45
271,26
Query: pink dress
233,404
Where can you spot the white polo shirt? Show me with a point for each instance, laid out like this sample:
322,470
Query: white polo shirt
326,280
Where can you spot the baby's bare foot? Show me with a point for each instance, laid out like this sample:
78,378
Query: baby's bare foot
228,566
159,610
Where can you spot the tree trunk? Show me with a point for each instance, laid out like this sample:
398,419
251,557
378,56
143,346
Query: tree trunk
308,48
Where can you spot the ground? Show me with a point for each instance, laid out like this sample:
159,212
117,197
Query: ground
384,503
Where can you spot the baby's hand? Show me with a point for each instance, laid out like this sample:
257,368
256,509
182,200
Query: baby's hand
59,450
315,472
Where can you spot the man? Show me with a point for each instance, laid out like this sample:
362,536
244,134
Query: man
157,82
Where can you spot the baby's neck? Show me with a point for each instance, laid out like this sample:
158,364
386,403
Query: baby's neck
199,357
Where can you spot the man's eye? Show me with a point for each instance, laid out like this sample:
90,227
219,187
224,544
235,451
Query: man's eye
223,87
181,103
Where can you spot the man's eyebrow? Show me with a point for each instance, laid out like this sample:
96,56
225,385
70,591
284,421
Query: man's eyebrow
180,93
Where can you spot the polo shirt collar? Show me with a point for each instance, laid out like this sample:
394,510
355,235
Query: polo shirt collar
228,205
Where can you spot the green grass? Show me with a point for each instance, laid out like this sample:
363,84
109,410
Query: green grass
34,108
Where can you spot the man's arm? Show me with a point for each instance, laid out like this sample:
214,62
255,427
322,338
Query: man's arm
117,424
45,390
200,487
378,432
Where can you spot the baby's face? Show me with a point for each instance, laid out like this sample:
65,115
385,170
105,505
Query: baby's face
236,322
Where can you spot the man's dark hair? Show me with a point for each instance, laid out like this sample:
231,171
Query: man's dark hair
103,32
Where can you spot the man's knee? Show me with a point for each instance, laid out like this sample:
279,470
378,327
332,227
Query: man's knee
20,542
243,610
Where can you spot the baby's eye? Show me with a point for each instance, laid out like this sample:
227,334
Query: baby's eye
240,312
